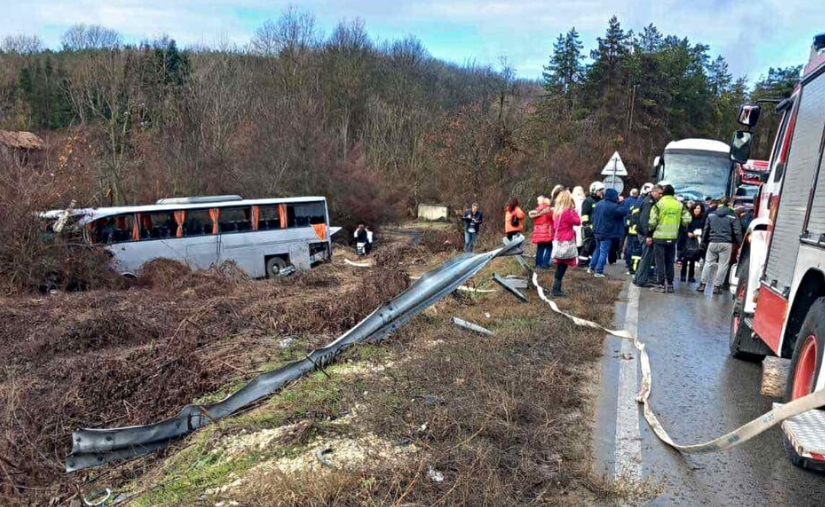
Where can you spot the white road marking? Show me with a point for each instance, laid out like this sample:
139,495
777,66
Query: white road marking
628,437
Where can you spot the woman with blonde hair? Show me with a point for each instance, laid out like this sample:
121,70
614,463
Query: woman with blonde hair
565,252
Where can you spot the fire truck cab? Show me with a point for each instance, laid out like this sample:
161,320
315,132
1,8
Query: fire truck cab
779,300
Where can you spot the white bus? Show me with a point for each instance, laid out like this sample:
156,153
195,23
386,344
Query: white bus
262,236
697,168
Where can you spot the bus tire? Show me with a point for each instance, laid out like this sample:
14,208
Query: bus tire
274,265
741,335
808,352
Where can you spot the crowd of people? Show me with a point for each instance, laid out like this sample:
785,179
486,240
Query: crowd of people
650,228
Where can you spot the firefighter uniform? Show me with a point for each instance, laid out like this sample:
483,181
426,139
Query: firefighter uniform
634,246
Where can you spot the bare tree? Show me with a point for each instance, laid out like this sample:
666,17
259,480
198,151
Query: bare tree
104,84
294,32
21,44
84,37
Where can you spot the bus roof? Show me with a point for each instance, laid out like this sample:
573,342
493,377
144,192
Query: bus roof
698,145
92,214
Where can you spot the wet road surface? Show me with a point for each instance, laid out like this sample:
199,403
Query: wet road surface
699,393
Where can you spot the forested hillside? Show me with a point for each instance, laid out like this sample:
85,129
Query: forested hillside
376,126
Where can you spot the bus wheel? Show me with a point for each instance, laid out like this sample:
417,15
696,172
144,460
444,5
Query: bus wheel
274,265
740,332
807,355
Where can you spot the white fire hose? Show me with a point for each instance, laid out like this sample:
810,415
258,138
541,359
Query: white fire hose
727,441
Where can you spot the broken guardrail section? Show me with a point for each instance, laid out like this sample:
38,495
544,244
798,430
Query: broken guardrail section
470,326
95,447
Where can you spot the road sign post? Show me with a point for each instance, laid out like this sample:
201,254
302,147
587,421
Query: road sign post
613,169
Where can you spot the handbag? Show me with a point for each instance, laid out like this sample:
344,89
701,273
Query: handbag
564,250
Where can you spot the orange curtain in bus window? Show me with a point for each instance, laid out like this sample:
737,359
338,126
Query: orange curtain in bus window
180,218
256,216
320,231
91,228
136,228
282,215
214,214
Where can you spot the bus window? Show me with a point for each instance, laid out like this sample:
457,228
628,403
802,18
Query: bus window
305,215
158,225
113,229
268,217
235,220
197,223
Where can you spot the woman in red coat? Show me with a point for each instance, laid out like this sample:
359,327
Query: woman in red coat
564,240
542,232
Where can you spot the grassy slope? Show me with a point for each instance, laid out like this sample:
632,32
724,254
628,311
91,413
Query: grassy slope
504,419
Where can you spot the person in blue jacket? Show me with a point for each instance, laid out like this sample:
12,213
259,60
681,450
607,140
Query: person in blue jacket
608,224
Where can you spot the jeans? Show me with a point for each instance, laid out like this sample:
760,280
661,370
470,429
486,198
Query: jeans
470,241
543,254
665,252
599,258
718,255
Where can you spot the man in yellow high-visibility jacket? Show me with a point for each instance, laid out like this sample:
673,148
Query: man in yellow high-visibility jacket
666,218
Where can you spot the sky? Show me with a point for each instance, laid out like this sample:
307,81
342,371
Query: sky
753,35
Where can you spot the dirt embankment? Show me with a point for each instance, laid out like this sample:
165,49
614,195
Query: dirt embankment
434,416
125,357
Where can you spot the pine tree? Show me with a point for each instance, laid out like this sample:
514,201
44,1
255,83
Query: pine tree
564,71
609,94
650,40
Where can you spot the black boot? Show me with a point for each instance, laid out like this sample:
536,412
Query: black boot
557,292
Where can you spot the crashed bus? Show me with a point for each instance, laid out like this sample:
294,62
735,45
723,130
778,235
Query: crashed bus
779,298
263,237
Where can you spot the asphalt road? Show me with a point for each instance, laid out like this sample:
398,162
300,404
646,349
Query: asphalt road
699,393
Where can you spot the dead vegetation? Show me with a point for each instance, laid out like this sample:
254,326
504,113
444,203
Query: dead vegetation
124,357
497,421
435,416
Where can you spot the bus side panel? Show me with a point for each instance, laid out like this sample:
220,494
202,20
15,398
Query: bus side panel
198,252
769,318
251,249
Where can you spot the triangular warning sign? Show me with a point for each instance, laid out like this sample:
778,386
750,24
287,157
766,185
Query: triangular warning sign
615,164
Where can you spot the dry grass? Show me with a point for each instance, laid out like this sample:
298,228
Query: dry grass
123,357
503,419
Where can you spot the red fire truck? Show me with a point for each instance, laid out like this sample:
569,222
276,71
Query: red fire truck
747,180
779,304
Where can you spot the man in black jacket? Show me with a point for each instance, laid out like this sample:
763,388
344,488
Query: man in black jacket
645,236
472,223
722,230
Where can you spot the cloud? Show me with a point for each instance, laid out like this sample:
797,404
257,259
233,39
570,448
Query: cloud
751,35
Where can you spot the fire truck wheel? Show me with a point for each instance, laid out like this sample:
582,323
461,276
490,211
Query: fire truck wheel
740,331
807,354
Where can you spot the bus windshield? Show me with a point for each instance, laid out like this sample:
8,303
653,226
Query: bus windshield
696,174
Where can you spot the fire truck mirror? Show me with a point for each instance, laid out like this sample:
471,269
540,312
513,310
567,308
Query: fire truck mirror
749,115
740,146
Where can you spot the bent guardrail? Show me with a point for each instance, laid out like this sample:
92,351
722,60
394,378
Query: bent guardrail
95,447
